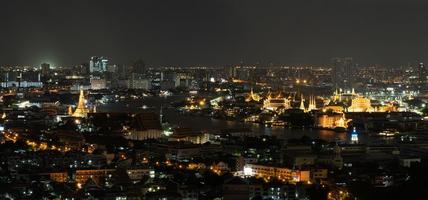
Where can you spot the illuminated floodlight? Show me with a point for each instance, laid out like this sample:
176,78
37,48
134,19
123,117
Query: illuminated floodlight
248,171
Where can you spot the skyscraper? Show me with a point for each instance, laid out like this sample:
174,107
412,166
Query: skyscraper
98,64
342,72
45,68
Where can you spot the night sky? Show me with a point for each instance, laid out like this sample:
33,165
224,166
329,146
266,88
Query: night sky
192,32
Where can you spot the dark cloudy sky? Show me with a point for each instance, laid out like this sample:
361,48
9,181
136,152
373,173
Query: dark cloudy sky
188,32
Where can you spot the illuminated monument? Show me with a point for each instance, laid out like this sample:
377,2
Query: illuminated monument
70,111
352,102
341,96
311,106
361,104
302,104
81,110
342,122
275,103
312,103
334,121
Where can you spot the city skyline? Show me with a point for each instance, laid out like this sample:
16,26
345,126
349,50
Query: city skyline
213,33
220,99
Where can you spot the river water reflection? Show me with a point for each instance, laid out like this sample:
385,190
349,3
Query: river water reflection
176,118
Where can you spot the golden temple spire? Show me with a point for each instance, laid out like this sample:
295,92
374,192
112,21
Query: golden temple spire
312,103
302,103
70,111
81,110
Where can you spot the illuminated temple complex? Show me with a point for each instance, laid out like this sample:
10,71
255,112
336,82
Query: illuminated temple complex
340,96
332,121
352,102
361,104
312,104
276,102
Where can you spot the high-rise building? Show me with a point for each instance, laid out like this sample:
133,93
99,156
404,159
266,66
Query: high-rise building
98,64
82,69
182,80
137,81
45,68
112,68
342,72
247,72
422,73
156,80
139,67
98,83
21,78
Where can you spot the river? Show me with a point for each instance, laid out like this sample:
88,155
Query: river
176,118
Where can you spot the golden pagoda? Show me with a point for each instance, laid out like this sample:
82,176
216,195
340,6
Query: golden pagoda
312,103
302,104
81,110
70,111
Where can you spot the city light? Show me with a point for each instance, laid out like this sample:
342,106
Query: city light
213,100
